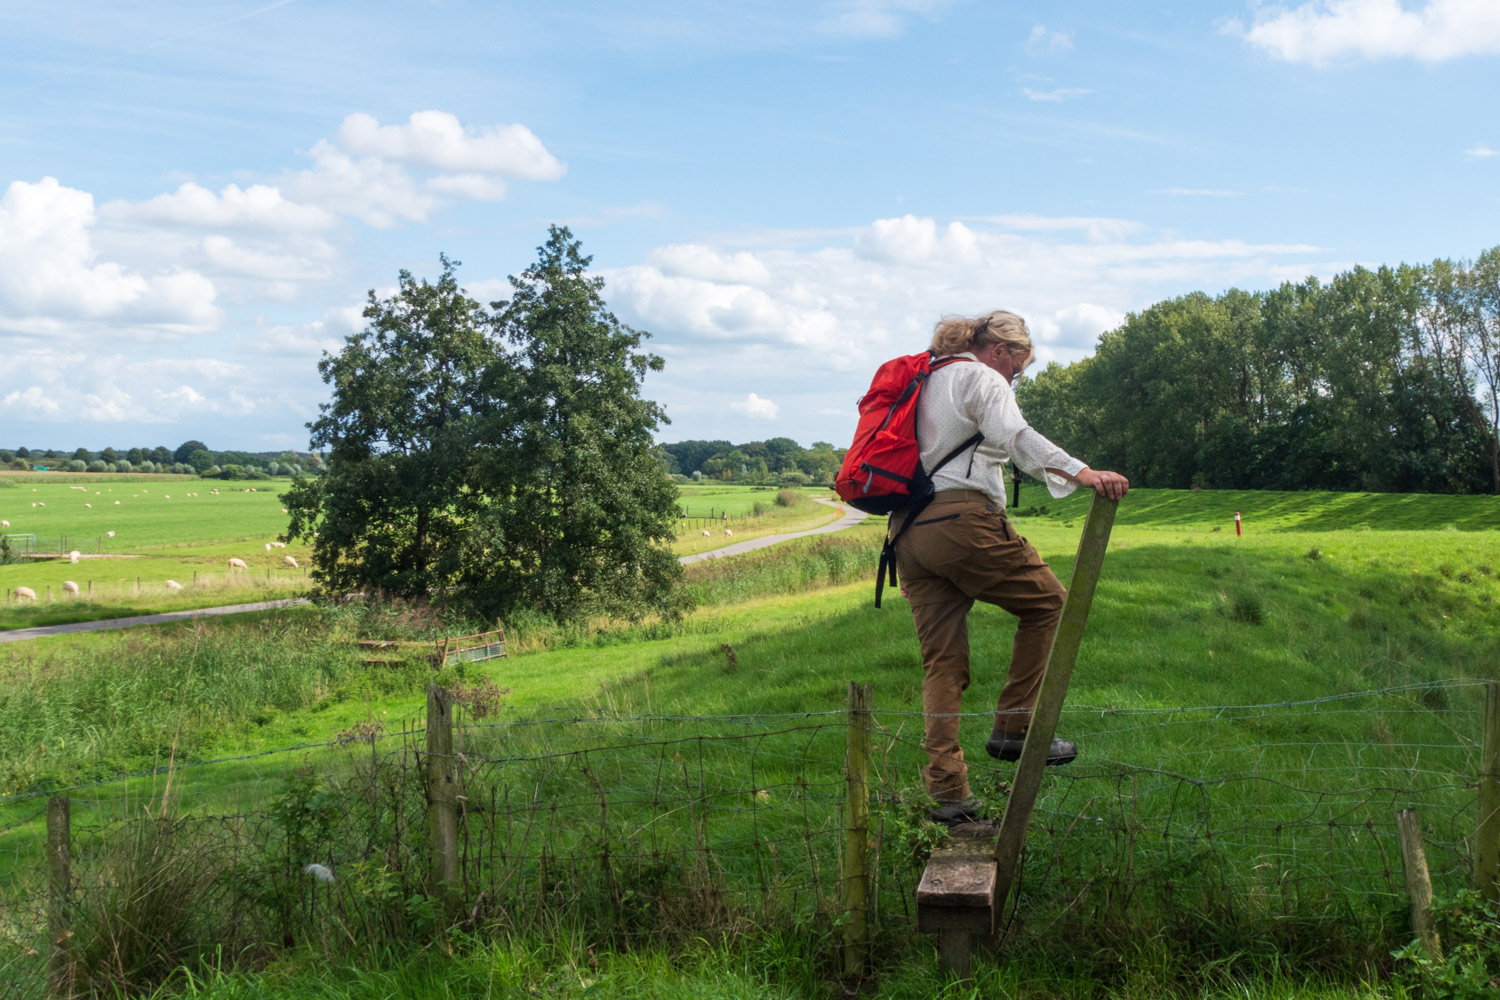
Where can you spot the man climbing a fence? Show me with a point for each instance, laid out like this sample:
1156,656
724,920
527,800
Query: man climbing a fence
961,547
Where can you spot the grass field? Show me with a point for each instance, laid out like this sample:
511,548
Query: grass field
1269,884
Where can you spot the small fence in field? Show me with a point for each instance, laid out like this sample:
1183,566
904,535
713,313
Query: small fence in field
1218,824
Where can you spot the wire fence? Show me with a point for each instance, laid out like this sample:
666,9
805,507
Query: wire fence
1206,820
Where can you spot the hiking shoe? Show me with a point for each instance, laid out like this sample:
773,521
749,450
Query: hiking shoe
954,813
1007,746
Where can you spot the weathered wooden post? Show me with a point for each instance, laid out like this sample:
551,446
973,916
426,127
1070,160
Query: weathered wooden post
1418,884
855,881
1487,837
442,792
59,877
1059,671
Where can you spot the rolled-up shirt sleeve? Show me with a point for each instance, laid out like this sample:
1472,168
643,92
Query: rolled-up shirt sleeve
991,404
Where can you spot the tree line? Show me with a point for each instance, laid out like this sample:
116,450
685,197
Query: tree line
778,460
189,458
1379,380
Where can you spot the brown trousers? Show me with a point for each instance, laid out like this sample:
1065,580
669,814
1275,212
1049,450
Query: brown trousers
962,549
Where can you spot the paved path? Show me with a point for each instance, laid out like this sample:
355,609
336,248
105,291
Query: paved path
851,517
16,635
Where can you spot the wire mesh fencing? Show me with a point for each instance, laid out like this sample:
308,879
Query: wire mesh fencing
1204,820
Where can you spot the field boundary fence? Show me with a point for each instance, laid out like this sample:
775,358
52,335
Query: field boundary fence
1269,819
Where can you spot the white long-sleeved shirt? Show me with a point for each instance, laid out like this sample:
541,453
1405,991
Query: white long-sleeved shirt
968,396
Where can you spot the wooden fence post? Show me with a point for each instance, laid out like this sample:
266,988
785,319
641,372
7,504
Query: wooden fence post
1059,670
442,792
1487,837
855,882
1418,884
59,865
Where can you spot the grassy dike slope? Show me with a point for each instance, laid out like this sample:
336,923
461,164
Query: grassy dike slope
1184,616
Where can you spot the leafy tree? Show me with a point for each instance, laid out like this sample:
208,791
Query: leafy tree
23,452
109,455
136,456
590,509
506,479
82,455
184,452
200,459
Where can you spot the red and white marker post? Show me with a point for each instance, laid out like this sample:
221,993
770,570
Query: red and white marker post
1237,532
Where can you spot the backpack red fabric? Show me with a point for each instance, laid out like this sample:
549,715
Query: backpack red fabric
882,471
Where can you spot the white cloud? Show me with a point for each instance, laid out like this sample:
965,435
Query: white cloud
844,306
260,206
437,139
1044,42
372,190
51,273
1060,94
1321,32
756,408
1181,192
1481,152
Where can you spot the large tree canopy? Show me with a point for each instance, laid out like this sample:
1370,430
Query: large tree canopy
1381,380
498,460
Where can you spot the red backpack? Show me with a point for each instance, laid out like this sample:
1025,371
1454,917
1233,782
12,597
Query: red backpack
882,471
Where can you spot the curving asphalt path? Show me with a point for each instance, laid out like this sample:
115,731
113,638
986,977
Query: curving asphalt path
851,517
103,624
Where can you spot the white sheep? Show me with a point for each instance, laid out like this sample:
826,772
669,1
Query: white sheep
4,524
109,534
117,503
268,546
705,533
69,587
173,585
237,563
289,561
728,533
40,504
26,592
89,506
283,510
74,556
278,545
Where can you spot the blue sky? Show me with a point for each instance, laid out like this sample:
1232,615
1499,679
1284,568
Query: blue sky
195,197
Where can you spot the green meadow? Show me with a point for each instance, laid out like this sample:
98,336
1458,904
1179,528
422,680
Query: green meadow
1251,711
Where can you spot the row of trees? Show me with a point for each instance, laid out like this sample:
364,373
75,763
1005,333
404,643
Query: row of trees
499,458
189,458
1382,380
779,460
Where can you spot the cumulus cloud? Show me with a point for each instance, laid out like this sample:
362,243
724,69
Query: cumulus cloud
437,139
1058,95
756,408
1481,152
1044,42
109,388
51,273
1322,32
260,206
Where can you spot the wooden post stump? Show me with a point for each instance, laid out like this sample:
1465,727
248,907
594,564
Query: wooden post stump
855,881
442,792
956,893
59,878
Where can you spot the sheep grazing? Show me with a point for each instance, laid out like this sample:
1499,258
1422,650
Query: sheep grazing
69,587
109,534
289,561
40,504
26,593
74,556
268,546
237,564
283,510
728,533
117,503
89,506
705,533
173,585
4,524
279,545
